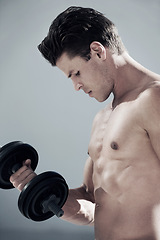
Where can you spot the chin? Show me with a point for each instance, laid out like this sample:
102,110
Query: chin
101,100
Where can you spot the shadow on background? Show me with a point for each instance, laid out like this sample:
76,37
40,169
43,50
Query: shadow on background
45,235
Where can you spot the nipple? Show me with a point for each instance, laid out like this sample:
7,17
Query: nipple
114,145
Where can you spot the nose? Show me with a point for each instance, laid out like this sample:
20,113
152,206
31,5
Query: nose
77,86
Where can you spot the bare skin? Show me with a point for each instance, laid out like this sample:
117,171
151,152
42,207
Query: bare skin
120,191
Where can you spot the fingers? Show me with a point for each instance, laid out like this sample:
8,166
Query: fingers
24,175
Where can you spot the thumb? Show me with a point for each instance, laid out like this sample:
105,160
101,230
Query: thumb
27,163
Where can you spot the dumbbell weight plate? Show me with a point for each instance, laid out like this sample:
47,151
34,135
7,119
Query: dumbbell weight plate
40,189
12,154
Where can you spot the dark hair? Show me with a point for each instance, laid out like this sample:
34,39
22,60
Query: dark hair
74,30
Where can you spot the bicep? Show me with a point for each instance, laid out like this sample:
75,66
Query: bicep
154,136
87,180
151,121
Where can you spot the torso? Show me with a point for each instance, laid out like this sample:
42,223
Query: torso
126,174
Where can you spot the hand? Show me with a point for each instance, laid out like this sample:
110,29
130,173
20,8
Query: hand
24,175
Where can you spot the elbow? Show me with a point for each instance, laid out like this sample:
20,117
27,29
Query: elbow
87,210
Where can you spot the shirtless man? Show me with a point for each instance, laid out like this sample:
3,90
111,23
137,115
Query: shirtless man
120,194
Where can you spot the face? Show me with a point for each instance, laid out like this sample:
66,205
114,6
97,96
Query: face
90,76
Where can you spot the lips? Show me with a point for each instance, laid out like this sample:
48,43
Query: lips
88,92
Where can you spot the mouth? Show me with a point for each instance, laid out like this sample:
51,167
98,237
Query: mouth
88,92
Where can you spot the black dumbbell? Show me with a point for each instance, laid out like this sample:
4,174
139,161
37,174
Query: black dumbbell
41,198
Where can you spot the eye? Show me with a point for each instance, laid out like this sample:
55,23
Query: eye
78,73
69,76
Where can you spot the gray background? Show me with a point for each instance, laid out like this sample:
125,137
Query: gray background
39,106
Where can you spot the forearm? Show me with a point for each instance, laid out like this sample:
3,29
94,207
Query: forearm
79,207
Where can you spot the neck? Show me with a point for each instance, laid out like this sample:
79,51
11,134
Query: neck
130,78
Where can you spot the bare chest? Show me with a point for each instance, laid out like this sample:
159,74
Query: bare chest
114,133
119,148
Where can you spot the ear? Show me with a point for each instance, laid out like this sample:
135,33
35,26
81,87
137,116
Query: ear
98,49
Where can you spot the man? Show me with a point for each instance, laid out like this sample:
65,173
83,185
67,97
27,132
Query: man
120,194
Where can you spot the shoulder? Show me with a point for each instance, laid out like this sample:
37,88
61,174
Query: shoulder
150,97
148,104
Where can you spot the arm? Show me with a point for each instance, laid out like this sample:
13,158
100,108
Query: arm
79,207
151,123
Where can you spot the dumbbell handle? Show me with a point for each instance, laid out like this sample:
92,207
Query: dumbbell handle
51,205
